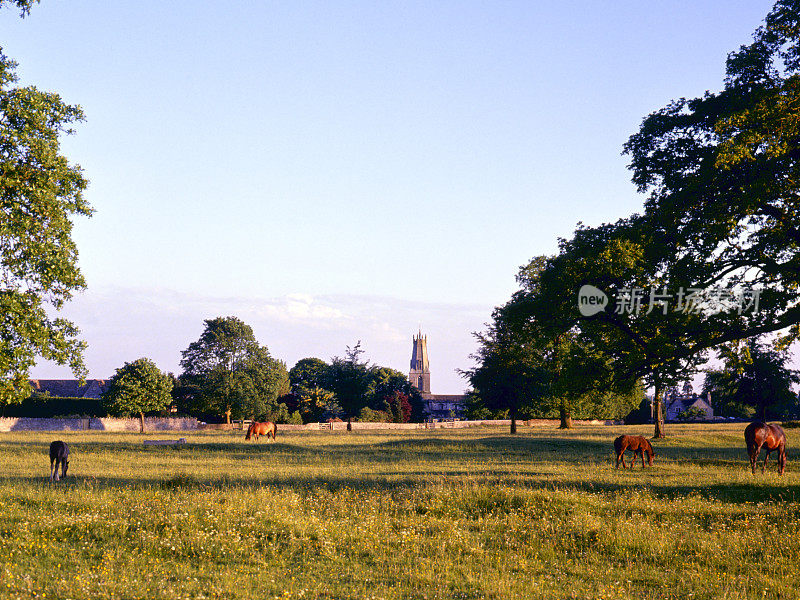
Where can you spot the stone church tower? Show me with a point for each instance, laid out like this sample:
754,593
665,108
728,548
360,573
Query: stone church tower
420,374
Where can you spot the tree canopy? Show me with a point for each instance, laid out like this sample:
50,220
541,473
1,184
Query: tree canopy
713,257
136,388
234,376
40,193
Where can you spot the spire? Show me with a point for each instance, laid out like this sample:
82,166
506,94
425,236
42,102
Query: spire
420,374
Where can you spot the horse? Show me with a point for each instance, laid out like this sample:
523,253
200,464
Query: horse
770,437
637,444
256,429
59,456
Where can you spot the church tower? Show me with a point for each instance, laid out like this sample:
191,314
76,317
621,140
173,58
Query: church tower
420,374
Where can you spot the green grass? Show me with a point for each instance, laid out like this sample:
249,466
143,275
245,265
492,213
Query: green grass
471,513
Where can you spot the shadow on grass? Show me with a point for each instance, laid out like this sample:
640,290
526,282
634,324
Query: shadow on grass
733,493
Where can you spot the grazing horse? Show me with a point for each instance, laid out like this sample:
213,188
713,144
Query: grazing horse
637,444
59,456
256,429
771,437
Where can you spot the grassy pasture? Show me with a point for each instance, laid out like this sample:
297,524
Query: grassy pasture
471,513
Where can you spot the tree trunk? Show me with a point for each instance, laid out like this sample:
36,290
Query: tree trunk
566,418
228,416
658,417
513,425
141,422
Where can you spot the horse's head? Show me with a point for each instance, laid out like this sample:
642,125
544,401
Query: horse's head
64,467
650,454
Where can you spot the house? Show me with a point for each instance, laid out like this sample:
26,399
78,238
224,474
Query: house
678,400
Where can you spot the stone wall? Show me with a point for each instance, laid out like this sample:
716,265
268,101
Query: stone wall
95,424
190,423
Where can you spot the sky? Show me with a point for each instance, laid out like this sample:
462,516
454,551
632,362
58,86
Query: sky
332,171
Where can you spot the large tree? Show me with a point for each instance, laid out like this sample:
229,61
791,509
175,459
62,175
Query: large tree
722,174
234,375
136,388
754,380
40,193
530,362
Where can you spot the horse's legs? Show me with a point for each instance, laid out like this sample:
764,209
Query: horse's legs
754,452
781,458
766,458
641,452
53,471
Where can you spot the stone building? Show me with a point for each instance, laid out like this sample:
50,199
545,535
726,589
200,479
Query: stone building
678,400
435,406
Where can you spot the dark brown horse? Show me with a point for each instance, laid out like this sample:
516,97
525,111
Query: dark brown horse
637,444
770,437
256,429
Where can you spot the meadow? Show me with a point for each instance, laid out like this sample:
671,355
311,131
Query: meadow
472,513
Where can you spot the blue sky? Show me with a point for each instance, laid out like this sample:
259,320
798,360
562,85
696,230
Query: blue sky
335,171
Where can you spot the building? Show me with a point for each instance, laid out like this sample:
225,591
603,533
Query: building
68,388
678,400
435,406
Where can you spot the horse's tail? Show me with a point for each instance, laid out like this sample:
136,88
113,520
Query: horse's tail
249,431
274,430
618,444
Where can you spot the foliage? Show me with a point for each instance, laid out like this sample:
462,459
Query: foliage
349,379
754,380
40,194
308,372
398,407
722,182
369,415
317,404
23,5
232,374
691,414
531,369
136,388
721,215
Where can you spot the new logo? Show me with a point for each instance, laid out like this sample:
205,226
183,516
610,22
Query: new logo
591,300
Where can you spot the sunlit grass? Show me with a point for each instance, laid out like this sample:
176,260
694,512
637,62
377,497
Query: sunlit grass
425,514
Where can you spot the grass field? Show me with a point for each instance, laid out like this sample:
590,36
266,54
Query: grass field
471,513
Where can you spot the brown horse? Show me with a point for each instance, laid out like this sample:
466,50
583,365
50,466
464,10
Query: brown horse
770,437
256,429
637,444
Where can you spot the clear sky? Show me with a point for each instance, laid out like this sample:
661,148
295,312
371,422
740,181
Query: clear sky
335,171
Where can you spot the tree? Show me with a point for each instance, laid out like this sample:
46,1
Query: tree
40,193
317,404
534,360
349,379
309,372
136,388
235,376
754,380
389,390
721,173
